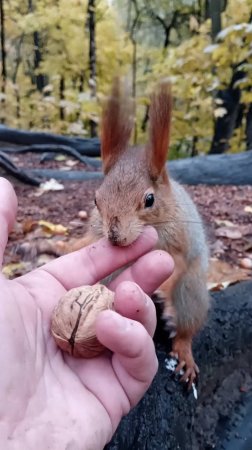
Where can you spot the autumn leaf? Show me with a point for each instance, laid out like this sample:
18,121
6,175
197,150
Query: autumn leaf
29,225
228,232
60,158
51,185
221,274
53,228
13,269
70,163
246,263
225,223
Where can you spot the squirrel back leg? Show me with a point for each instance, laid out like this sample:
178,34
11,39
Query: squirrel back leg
187,301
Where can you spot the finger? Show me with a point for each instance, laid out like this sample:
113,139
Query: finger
131,302
8,210
134,359
149,271
93,263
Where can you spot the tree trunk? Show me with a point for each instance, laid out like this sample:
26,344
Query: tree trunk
249,128
134,77
213,10
18,59
92,56
225,126
215,13
3,57
62,97
18,115
81,81
38,78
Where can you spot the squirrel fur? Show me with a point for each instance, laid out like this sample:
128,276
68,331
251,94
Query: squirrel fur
138,191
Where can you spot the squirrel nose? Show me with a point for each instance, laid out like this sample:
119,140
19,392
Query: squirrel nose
113,237
113,234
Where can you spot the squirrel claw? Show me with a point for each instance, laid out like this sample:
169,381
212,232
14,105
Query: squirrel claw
190,376
183,351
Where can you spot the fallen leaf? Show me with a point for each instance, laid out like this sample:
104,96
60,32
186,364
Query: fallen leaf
51,185
228,232
248,209
213,287
53,228
71,163
29,225
221,274
60,158
64,168
225,223
246,263
217,247
13,269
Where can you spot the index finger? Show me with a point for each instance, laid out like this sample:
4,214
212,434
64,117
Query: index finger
95,262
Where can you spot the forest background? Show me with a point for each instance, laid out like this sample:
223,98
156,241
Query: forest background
58,60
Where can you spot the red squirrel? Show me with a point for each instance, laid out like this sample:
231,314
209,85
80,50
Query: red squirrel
137,191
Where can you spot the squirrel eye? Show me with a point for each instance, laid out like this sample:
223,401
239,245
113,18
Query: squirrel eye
149,200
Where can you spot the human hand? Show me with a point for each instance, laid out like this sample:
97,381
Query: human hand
49,399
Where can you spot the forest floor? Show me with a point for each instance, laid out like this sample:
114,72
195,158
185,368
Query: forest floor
226,211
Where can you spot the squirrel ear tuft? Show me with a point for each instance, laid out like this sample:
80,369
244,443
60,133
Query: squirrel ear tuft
159,128
116,124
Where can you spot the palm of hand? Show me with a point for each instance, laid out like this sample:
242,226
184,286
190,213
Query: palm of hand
43,375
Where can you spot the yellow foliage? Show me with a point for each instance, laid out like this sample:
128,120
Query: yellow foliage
196,67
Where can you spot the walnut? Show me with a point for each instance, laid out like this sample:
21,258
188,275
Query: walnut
73,320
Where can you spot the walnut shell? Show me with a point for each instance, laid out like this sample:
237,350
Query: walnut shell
73,320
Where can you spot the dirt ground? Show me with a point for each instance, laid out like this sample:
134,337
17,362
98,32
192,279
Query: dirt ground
226,211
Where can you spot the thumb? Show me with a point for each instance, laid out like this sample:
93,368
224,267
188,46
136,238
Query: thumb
8,210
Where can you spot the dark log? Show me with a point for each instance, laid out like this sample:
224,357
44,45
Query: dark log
235,169
71,175
88,147
227,169
14,171
54,148
168,418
